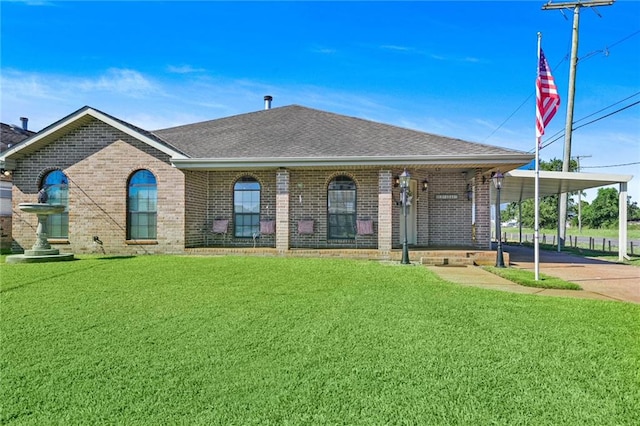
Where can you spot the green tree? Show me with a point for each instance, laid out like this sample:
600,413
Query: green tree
548,205
603,211
633,211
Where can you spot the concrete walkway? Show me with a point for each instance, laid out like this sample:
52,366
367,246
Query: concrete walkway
599,279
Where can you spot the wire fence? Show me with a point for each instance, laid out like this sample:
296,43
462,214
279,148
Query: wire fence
575,241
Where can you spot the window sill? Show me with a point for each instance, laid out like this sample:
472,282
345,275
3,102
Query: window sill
141,242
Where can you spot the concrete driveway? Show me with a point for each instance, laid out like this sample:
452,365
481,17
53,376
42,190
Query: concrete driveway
610,280
599,280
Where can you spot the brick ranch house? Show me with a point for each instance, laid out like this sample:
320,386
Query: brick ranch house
280,178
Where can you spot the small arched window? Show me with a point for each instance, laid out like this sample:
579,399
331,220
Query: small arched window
56,185
341,208
142,206
246,207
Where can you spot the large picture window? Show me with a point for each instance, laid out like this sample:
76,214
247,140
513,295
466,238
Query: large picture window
341,208
142,206
56,185
246,207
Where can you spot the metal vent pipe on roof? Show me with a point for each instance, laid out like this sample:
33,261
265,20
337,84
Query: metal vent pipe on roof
267,102
25,123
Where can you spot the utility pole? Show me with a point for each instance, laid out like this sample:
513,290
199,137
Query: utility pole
578,157
566,160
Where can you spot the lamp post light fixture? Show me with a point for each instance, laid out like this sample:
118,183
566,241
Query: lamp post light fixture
404,187
497,182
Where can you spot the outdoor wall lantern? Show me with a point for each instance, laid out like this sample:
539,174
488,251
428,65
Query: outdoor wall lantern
497,182
405,179
396,181
425,185
5,172
469,192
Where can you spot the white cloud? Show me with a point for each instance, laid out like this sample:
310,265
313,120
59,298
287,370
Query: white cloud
184,69
122,81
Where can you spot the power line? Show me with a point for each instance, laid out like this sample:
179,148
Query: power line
565,58
522,104
546,144
607,107
611,165
608,115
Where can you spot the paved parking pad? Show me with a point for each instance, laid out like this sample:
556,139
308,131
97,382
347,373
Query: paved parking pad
599,279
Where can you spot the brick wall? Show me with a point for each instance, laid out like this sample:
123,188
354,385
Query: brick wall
220,204
450,219
196,208
483,212
98,160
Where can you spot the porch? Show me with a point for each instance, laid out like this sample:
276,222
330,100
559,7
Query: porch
417,255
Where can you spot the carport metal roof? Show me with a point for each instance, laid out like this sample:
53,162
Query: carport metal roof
519,185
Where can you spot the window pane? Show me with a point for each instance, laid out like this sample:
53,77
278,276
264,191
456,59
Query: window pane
56,185
246,207
142,206
341,207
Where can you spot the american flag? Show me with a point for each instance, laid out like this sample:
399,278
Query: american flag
547,98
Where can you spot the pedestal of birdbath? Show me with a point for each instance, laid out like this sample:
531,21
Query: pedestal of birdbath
41,251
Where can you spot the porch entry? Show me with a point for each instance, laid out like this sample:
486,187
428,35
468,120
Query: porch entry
412,216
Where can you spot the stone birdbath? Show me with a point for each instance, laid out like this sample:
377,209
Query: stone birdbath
41,250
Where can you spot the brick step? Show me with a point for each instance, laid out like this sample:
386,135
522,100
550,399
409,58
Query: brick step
442,260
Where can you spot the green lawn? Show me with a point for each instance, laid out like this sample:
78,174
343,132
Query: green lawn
528,278
246,340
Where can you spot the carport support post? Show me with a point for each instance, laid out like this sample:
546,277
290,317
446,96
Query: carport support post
622,222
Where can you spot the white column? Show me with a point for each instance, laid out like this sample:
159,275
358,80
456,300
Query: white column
282,210
622,222
385,213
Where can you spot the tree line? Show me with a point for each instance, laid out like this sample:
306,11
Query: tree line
601,213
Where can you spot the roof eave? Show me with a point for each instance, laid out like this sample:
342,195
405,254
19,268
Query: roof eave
510,160
50,133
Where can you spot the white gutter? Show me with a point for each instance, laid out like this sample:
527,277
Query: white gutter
274,162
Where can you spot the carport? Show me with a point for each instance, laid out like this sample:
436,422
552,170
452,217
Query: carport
519,185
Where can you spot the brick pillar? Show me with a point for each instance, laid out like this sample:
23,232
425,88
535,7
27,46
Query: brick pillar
483,212
282,210
385,213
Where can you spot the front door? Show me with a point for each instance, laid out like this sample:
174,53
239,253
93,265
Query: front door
412,209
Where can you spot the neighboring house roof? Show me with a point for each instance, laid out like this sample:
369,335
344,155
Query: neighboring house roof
11,135
296,135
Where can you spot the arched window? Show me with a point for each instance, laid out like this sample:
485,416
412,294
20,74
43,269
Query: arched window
246,207
142,206
341,208
56,185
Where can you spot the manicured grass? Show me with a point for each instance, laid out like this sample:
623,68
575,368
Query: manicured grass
528,278
633,232
241,340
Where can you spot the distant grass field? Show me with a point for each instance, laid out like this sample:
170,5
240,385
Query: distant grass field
247,341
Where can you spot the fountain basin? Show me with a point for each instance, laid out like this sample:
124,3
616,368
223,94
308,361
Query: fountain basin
41,250
39,208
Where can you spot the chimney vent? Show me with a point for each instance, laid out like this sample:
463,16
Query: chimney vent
25,123
267,102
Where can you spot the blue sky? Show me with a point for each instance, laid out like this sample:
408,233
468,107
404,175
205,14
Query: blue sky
459,69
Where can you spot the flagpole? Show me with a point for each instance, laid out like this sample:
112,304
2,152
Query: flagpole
536,231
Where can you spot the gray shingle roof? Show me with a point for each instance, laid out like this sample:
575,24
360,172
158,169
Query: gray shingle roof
11,135
296,131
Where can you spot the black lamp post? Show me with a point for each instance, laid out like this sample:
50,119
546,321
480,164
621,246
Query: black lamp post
404,187
497,182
